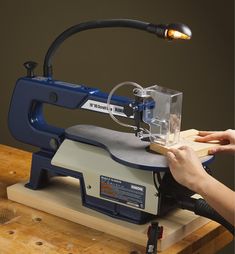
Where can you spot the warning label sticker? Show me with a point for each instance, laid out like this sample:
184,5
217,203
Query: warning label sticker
121,191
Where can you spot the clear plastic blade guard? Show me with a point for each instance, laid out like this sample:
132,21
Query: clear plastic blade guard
164,119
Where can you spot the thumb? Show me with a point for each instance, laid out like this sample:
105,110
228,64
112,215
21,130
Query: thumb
170,156
225,148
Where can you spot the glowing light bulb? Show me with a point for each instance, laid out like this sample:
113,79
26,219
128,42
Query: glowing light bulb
173,34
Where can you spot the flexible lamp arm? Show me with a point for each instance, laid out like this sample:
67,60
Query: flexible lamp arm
162,31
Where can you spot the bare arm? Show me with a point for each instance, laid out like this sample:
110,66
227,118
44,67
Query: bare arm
186,168
218,196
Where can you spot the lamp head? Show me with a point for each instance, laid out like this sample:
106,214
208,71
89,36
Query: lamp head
178,31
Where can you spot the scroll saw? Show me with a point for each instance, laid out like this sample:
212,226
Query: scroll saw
118,174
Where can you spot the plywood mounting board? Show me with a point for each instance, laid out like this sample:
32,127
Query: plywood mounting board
187,139
62,198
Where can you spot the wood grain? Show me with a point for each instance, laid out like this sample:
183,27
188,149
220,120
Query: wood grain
62,198
187,138
31,231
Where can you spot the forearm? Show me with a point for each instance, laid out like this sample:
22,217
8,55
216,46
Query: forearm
218,196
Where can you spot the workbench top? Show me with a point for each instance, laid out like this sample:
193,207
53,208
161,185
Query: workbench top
24,230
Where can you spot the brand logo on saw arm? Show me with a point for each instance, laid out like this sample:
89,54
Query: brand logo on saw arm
103,108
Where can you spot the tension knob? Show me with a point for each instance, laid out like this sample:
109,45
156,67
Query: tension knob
30,66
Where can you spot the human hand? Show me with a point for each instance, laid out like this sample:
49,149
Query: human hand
227,138
186,167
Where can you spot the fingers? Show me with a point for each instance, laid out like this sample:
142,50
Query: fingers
171,159
184,148
227,148
175,151
179,153
170,156
212,136
204,133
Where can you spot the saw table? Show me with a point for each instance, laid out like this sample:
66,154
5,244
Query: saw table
26,230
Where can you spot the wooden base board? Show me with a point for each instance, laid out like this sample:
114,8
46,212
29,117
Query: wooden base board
187,139
62,198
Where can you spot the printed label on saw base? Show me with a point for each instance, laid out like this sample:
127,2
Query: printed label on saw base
124,192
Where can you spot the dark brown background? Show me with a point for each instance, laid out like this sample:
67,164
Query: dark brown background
201,68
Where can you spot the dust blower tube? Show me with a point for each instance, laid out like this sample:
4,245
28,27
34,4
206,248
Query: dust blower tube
201,207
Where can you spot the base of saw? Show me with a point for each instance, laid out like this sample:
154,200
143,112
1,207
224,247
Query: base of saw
187,139
62,198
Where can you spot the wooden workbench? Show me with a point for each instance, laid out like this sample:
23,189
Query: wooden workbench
26,230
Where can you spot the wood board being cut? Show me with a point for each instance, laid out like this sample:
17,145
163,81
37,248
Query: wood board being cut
62,198
187,138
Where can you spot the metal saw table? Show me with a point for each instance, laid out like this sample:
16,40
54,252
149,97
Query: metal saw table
27,230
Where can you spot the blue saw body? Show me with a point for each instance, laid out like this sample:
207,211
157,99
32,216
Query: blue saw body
27,124
26,120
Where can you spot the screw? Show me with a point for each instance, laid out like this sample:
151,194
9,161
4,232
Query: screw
53,97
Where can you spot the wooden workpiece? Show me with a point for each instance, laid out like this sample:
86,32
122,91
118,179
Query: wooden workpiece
27,230
187,138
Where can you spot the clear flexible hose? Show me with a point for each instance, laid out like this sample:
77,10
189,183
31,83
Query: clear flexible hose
110,97
109,106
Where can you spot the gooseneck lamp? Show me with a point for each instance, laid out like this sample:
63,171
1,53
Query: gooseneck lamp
170,32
